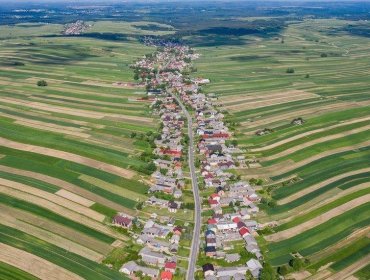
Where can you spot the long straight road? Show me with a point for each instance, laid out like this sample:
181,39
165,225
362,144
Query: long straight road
194,249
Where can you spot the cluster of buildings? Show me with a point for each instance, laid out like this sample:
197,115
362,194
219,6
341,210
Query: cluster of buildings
238,198
75,28
233,203
160,240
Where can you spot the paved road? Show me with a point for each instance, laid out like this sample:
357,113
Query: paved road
194,249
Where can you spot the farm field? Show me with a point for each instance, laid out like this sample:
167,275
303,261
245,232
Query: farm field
68,160
316,175
77,134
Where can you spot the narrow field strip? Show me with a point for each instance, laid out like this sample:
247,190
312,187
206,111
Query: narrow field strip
75,198
343,256
307,133
9,272
60,229
76,264
51,238
267,101
346,242
321,236
317,186
66,186
73,131
316,110
350,270
34,265
77,112
316,141
288,233
319,204
68,156
50,210
113,188
55,199
288,166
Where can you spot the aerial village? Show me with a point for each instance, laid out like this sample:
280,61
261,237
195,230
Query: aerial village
228,234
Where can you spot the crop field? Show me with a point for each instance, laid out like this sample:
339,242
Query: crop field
76,133
316,174
68,158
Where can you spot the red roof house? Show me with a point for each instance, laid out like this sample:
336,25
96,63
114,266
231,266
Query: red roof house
244,231
170,267
166,275
212,221
122,221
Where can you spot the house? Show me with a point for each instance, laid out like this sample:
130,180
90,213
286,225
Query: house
210,251
244,232
215,196
157,202
208,269
177,230
177,193
232,257
166,275
231,271
174,248
131,267
175,239
152,258
173,206
226,225
254,267
122,221
249,239
170,266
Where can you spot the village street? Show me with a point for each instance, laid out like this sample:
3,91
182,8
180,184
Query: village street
194,250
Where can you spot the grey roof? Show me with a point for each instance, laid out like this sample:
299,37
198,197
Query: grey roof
232,257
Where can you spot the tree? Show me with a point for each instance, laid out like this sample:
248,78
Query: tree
136,76
42,83
133,134
139,206
283,270
307,76
268,272
290,70
296,263
324,55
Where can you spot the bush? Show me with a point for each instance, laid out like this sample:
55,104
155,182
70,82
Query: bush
296,264
290,70
324,55
42,83
283,270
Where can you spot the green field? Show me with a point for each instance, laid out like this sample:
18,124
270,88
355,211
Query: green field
92,108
